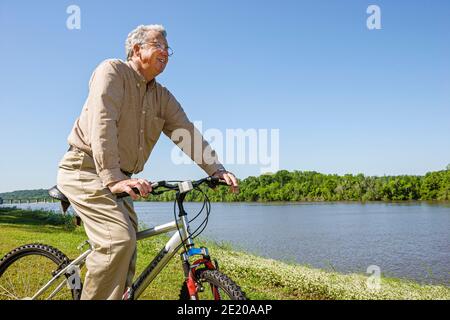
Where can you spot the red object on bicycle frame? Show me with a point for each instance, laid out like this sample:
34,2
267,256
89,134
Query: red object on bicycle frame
191,281
191,285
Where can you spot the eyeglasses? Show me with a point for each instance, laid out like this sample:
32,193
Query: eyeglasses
160,47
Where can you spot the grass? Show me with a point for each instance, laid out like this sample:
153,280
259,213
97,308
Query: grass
259,277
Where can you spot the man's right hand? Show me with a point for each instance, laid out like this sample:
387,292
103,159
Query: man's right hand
142,185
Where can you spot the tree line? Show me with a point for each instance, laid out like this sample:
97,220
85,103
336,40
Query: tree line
35,194
310,186
313,186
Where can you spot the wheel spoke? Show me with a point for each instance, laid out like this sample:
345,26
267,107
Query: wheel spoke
7,293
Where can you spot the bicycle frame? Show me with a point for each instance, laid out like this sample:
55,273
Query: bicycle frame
181,226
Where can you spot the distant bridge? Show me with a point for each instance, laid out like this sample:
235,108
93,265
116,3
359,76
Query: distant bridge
19,201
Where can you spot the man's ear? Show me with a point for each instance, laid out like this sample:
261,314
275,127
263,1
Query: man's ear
136,50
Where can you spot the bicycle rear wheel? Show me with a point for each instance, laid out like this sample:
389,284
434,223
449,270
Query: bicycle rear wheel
213,285
26,269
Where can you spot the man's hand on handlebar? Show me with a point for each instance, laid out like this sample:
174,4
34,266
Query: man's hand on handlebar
229,178
142,185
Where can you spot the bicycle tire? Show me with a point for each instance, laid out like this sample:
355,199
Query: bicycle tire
216,281
50,255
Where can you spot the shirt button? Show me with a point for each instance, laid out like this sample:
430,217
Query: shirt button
142,130
143,112
140,148
138,85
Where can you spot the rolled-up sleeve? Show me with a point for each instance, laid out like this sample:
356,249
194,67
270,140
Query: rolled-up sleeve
105,99
200,150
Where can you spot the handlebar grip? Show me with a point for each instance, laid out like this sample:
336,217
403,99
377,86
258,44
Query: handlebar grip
215,181
124,194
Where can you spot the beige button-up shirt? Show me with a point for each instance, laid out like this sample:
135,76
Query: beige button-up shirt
122,120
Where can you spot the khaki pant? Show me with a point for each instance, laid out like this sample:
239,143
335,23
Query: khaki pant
110,224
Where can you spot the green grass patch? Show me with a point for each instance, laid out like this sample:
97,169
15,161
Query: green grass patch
260,278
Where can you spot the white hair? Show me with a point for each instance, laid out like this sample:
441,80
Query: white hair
139,35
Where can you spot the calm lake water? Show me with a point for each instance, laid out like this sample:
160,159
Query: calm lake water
406,240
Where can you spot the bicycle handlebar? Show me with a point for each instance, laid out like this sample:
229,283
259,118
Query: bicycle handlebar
212,182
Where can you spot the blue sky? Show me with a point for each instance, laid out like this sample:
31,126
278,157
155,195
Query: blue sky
345,99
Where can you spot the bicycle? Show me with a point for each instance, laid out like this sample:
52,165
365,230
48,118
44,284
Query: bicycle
51,262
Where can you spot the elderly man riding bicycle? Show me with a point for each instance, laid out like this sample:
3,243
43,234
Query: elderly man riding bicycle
124,114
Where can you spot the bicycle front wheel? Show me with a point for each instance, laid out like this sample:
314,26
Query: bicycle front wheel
213,285
28,268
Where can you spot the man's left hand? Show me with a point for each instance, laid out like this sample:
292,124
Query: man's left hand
229,178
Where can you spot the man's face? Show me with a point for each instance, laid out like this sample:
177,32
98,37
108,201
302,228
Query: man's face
153,59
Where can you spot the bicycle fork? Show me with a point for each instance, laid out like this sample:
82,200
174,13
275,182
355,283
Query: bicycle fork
192,283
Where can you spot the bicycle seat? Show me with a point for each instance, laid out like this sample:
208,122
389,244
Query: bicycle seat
55,193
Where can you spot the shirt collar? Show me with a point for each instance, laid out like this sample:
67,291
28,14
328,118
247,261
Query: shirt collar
139,77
